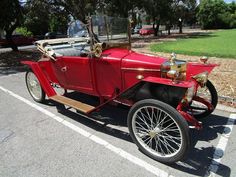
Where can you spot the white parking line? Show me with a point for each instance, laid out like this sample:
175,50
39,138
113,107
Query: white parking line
154,170
220,148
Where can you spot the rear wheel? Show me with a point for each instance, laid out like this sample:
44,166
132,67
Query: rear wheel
209,93
159,130
34,87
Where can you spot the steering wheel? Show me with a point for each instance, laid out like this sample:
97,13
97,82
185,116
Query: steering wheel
83,50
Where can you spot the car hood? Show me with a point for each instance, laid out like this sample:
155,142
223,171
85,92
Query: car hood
142,61
133,60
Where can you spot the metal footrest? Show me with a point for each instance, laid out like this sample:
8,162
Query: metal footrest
85,108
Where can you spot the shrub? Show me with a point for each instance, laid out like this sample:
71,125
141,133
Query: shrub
24,31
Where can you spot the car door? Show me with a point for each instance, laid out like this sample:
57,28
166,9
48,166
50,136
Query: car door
108,71
77,71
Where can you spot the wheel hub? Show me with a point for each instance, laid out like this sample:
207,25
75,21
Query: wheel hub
34,86
154,132
33,83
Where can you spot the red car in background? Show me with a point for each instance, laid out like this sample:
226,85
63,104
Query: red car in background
18,40
146,31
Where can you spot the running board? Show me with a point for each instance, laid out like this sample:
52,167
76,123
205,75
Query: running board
85,108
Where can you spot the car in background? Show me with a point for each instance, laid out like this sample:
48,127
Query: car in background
146,31
50,35
18,40
136,29
54,35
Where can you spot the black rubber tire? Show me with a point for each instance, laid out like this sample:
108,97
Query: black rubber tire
43,95
214,101
183,126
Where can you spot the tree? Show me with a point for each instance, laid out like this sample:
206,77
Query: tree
119,8
158,11
169,12
41,17
213,14
58,22
232,11
183,11
10,18
78,9
36,17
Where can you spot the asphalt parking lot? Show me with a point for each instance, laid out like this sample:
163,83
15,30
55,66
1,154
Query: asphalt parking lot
38,140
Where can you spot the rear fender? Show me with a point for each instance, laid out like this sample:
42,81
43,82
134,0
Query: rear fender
197,68
41,77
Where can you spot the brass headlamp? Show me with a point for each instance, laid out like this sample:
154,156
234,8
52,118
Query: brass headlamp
177,68
201,78
204,59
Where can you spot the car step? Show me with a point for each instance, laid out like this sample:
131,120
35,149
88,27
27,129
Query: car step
85,108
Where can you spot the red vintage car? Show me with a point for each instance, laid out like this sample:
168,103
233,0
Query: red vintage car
165,96
146,31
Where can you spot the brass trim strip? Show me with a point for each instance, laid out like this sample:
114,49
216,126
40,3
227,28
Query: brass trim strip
141,69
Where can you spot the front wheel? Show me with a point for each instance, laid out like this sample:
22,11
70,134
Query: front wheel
34,87
209,93
159,130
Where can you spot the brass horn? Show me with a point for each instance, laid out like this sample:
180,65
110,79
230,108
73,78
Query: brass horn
97,50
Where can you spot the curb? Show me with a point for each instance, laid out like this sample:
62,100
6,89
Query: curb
8,70
225,108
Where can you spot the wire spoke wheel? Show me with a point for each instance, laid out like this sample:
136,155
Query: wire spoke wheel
34,87
159,130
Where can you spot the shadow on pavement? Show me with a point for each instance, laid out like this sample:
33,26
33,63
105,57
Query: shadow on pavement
10,61
198,159
97,123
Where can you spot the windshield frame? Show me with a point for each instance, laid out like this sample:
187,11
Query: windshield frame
94,39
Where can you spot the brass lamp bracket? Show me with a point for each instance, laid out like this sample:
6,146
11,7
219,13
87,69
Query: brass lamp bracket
172,59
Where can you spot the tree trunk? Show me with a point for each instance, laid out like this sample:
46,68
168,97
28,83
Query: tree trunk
180,27
168,27
10,41
156,29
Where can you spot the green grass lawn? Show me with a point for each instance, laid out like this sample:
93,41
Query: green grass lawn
215,44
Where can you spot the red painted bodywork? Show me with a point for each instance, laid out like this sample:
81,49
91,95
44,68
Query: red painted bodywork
196,68
164,81
110,75
41,77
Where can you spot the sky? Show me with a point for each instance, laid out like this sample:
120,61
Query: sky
228,1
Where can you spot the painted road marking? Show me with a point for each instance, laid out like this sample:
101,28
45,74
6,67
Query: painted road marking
221,146
154,170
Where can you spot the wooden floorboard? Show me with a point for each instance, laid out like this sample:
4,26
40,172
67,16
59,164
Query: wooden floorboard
85,108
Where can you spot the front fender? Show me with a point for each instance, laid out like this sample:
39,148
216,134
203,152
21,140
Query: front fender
164,81
165,90
197,68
